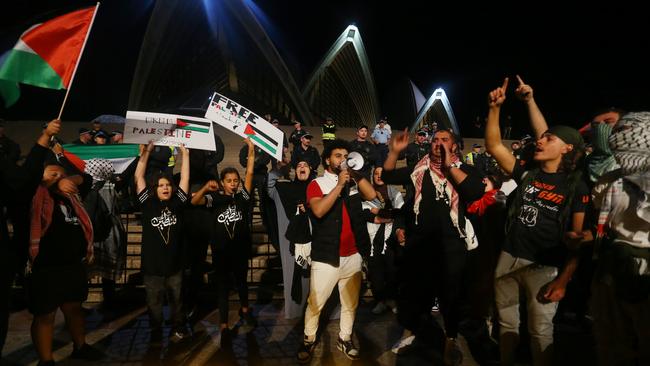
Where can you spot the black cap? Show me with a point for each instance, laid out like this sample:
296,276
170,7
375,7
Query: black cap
83,130
295,121
275,120
329,119
100,133
422,132
307,135
362,126
476,145
116,132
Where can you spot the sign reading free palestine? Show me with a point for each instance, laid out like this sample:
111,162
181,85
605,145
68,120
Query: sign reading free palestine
169,130
242,121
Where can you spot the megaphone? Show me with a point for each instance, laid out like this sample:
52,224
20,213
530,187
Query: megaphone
354,161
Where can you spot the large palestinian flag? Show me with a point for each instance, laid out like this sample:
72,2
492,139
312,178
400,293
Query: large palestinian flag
120,156
46,55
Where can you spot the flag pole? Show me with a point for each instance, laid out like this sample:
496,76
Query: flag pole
74,72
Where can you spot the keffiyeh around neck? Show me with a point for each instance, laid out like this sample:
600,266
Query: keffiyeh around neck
445,191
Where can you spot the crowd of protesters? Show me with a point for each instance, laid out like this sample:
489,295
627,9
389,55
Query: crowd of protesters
443,231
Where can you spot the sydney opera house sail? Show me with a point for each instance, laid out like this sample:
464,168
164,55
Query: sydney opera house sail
437,109
342,85
194,47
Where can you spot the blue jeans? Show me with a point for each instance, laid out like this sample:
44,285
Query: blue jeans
157,288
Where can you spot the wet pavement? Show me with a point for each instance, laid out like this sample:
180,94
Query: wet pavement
125,340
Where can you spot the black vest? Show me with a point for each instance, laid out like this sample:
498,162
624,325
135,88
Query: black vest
326,231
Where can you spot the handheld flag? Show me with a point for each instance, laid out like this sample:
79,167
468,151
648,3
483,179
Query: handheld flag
46,55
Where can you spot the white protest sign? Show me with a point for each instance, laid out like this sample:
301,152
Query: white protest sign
169,130
242,121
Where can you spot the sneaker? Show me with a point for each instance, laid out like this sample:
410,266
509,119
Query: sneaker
87,353
306,351
179,333
348,348
453,355
247,320
380,308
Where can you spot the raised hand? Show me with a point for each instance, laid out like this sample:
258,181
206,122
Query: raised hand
67,186
184,150
150,146
249,143
53,127
400,142
524,91
211,186
498,95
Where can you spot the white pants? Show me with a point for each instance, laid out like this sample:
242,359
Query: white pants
323,279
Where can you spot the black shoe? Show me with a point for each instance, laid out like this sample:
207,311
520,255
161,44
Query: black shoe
179,333
46,363
247,320
305,351
87,353
348,348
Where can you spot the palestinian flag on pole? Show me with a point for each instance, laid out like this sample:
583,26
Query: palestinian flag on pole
197,126
46,55
119,155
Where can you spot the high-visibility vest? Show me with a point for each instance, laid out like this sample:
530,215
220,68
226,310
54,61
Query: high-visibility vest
329,132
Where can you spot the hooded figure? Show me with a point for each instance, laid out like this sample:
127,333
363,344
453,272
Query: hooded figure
289,198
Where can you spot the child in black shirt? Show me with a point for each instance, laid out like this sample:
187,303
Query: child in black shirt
162,207
231,235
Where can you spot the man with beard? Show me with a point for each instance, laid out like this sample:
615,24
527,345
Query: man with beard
438,235
339,238
289,198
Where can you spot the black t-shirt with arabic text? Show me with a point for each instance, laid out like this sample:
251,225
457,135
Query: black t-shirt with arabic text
162,253
231,230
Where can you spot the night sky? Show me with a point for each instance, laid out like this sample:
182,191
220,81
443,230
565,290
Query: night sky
577,61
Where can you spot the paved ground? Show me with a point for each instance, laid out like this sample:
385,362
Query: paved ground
124,338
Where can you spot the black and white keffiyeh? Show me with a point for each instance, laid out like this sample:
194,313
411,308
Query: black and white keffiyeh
99,169
630,142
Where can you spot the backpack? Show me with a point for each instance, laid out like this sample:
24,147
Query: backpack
99,214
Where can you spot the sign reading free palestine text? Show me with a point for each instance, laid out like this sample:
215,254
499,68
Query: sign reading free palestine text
169,130
242,121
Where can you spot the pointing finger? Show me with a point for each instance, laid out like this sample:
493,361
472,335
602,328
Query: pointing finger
505,84
521,82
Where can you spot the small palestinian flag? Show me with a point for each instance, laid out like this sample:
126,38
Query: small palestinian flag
261,138
197,126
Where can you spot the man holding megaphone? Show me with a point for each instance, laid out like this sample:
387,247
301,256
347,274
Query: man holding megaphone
339,239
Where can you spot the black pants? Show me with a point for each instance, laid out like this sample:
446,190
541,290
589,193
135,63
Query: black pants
198,221
382,274
231,267
159,287
432,266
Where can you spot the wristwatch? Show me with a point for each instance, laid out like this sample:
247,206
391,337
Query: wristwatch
455,164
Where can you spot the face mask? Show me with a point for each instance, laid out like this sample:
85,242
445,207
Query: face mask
599,137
